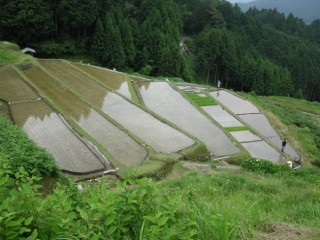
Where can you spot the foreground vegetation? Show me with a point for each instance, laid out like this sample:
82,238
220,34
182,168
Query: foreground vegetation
17,150
220,205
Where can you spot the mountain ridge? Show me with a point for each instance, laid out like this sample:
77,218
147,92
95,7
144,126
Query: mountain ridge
308,10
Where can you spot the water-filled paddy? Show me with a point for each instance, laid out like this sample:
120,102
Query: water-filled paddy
236,104
153,132
114,80
48,130
13,88
119,144
262,150
224,118
161,98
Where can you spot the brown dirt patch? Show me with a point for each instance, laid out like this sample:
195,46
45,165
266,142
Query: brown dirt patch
282,231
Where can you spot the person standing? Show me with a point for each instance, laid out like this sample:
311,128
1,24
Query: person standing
283,144
219,84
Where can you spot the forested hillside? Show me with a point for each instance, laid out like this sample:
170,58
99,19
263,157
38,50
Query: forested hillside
198,40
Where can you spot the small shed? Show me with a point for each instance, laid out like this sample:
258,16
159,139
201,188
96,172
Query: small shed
28,50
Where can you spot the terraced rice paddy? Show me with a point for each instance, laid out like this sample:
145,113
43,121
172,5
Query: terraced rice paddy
153,132
224,118
118,143
234,103
262,150
13,89
161,98
252,117
48,130
114,80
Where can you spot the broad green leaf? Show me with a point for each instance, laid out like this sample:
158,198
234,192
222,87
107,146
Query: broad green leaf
111,230
28,221
14,223
163,221
151,219
24,230
109,220
11,235
33,235
84,215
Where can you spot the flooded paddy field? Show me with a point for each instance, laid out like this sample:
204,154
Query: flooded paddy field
260,123
224,118
234,103
114,80
13,88
161,98
253,118
49,131
152,131
262,150
119,144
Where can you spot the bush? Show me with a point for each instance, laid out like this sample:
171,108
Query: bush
52,48
316,162
263,166
145,71
134,210
17,150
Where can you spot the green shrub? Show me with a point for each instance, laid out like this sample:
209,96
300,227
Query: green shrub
19,200
199,152
17,150
316,162
145,71
56,49
134,210
263,166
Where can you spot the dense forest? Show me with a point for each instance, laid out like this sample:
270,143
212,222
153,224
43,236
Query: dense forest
262,51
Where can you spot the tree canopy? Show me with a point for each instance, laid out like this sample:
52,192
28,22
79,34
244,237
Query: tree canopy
263,51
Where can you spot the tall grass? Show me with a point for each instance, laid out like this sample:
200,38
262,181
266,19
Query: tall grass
236,205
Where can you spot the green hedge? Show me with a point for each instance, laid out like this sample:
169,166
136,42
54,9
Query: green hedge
17,150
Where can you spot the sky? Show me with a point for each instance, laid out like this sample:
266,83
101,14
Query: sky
240,1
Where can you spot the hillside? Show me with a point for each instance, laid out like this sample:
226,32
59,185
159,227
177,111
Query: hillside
193,200
308,10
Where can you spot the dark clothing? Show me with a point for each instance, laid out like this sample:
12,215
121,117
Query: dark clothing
284,143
